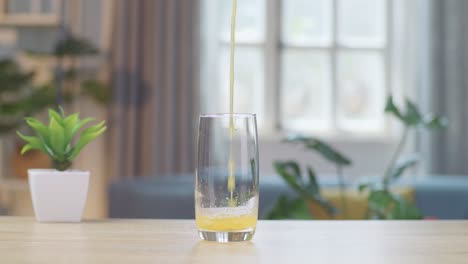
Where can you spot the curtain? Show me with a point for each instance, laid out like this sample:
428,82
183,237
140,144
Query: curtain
449,85
154,77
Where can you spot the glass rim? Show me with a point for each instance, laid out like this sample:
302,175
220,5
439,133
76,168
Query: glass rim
223,115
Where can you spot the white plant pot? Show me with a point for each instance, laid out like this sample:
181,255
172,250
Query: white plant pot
58,196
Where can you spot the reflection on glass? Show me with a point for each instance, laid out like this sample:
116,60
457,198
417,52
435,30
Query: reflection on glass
306,90
362,22
226,201
307,22
361,91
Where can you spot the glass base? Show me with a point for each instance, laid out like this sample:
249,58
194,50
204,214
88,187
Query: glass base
228,236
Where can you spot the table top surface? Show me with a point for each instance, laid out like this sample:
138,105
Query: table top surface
22,240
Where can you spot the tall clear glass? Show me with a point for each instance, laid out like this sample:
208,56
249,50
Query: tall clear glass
226,185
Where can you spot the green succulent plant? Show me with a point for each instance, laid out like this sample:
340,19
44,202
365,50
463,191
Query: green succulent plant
61,140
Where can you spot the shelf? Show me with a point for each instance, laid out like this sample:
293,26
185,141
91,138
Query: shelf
29,21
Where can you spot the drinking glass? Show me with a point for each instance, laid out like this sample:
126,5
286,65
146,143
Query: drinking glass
226,185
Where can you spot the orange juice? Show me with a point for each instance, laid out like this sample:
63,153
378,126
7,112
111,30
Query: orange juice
231,178
228,218
226,223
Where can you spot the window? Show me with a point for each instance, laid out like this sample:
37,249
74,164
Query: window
309,66
29,12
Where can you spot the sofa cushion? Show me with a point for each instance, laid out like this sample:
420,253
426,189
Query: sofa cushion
172,197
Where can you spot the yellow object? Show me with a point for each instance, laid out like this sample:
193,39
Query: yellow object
356,203
226,223
232,179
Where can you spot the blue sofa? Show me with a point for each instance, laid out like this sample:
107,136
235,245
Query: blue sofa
444,197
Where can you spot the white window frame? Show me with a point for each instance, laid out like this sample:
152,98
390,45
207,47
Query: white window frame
370,153
396,72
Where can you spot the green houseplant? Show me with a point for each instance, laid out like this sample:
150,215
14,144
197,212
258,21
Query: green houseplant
70,78
382,201
20,96
290,171
60,194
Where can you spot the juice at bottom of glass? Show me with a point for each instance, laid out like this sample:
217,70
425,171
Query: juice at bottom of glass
226,219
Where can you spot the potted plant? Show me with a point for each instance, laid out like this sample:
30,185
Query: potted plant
382,201
59,195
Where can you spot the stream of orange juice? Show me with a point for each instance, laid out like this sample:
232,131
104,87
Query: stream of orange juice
231,185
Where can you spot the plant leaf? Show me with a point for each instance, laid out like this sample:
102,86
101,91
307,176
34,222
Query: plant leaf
291,173
57,138
95,127
413,116
386,205
73,46
379,202
299,209
313,190
40,128
403,164
294,168
324,149
26,148
289,209
364,186
391,108
69,123
313,186
53,115
404,210
432,122
86,137
328,152
326,205
32,143
61,111
50,152
79,125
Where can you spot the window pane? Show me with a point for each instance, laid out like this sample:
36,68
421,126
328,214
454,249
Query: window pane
361,22
306,91
249,20
249,81
46,6
19,6
307,22
361,91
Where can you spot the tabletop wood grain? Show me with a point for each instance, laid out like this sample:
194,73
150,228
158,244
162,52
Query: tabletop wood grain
22,240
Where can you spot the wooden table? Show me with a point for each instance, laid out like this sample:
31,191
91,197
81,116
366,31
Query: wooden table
165,241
